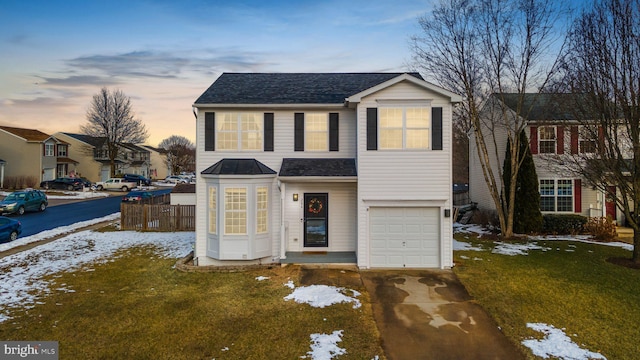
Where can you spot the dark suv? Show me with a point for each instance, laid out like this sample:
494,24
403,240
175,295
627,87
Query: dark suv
64,183
138,179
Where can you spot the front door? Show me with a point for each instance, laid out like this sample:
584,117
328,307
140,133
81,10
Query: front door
316,220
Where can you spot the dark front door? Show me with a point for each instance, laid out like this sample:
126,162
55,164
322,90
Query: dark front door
316,220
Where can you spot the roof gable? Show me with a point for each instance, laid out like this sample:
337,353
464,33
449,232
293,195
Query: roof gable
405,77
291,88
29,135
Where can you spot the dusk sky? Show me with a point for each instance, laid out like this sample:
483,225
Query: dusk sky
55,55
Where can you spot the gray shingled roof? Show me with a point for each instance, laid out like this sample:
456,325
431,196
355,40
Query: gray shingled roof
318,167
291,88
542,107
91,140
238,167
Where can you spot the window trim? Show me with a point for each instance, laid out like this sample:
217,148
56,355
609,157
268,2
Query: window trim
308,117
212,203
49,149
582,139
262,213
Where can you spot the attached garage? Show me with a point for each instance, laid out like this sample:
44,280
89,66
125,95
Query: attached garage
404,237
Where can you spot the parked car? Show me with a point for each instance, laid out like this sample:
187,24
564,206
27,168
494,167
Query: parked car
138,179
20,201
86,182
115,184
9,228
137,196
64,183
175,179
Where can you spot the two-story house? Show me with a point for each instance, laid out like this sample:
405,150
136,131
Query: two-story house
328,167
30,153
94,163
158,168
555,135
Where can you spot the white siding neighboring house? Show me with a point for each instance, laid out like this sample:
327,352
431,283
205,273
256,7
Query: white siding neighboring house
324,167
553,133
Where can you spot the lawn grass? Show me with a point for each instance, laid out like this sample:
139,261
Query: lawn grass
139,307
571,286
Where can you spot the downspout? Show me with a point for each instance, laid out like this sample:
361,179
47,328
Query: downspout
283,250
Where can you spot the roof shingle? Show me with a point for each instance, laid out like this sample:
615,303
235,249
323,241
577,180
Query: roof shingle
291,88
318,167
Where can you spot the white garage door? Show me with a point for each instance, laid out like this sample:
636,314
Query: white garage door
404,237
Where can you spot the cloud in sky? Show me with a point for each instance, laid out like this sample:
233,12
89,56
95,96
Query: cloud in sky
164,54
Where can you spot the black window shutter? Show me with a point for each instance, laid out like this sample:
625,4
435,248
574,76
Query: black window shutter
333,131
268,131
209,131
372,128
436,121
298,132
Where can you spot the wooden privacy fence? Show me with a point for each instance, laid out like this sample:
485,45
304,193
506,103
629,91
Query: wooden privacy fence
160,217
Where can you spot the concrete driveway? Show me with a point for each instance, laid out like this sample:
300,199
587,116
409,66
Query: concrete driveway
428,314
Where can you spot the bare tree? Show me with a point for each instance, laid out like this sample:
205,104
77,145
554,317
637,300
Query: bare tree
181,153
483,49
111,117
602,62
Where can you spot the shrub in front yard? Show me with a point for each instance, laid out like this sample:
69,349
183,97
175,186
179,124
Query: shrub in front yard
563,224
20,182
602,228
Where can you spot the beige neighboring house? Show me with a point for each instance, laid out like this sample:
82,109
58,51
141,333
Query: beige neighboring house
34,154
2,162
95,165
158,169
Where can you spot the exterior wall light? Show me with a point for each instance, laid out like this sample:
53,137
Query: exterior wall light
295,197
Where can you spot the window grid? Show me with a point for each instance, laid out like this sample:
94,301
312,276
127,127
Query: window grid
239,131
547,136
62,150
556,195
235,213
262,210
586,141
213,210
316,128
404,128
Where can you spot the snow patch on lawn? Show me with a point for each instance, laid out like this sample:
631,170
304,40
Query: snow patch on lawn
516,249
322,295
463,246
557,344
22,281
325,346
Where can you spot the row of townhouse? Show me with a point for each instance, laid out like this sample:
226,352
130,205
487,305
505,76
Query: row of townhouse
555,135
33,154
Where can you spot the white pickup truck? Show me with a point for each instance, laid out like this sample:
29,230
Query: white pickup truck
115,184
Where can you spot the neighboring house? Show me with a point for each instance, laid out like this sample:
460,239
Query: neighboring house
554,134
95,164
158,168
34,154
351,167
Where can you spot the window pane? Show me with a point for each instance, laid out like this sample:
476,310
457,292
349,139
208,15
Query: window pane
235,204
391,139
417,139
213,210
565,187
417,118
565,203
390,117
547,133
316,128
547,203
262,210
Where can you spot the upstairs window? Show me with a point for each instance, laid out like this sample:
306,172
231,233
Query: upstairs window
404,128
49,149
587,139
316,127
239,131
62,150
547,139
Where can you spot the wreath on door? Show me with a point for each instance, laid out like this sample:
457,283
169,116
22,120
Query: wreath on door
315,206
